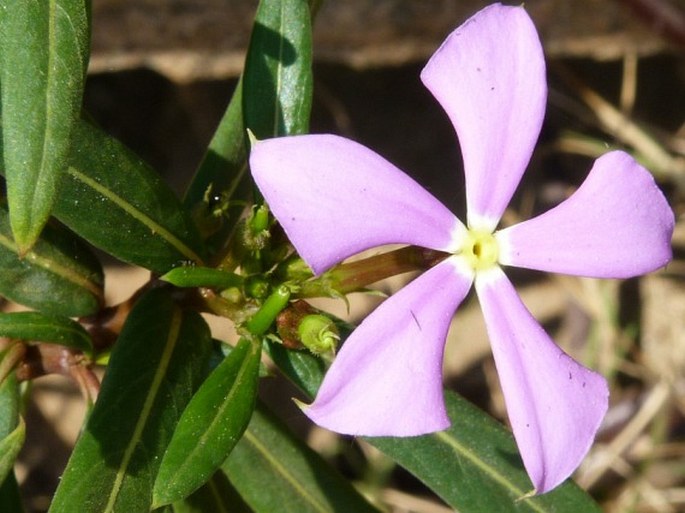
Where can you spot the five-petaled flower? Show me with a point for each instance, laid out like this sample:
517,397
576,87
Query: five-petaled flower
335,198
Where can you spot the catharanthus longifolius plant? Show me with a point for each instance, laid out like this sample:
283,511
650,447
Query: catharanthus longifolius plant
335,198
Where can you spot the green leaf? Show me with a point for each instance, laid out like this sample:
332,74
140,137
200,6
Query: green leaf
211,425
303,368
277,92
222,174
160,359
59,275
12,431
44,57
475,466
115,201
192,276
40,327
9,449
274,471
216,496
9,404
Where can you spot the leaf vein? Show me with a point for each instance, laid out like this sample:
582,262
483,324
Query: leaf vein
172,338
137,214
280,469
487,469
54,267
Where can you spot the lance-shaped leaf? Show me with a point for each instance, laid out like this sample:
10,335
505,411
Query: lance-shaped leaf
115,201
41,327
211,425
44,59
474,466
226,158
10,423
9,449
9,404
159,360
59,275
277,92
302,367
274,471
223,170
221,184
111,198
12,432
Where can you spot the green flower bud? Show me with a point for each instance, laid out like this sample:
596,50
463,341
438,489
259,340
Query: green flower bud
294,269
318,333
257,287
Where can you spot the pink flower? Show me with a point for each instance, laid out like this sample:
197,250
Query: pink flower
335,198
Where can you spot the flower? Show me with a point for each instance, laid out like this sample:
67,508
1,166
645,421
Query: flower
335,198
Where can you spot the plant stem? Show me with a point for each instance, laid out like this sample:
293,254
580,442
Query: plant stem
354,276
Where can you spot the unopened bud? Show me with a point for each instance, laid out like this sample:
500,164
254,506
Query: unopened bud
319,334
257,287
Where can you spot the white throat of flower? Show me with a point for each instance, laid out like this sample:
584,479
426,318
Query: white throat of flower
480,250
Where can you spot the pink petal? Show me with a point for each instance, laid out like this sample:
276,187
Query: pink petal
555,405
489,76
335,198
387,378
616,225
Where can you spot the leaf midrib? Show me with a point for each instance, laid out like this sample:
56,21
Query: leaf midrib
234,389
170,345
279,70
47,132
136,214
252,438
54,267
488,470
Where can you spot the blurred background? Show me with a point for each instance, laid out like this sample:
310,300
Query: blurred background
162,72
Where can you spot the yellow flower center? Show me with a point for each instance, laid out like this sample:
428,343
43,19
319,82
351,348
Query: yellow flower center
480,250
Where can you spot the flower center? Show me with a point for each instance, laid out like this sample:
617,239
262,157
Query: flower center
480,250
